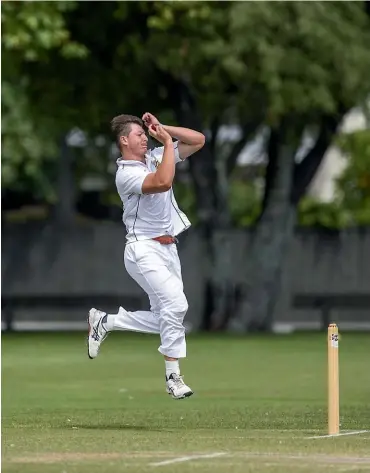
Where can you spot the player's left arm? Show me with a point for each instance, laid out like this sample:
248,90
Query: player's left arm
189,141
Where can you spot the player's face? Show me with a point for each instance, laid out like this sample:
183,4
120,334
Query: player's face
137,141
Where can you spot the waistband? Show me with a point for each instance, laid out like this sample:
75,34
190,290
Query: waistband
166,239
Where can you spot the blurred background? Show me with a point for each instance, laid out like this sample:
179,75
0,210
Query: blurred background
279,197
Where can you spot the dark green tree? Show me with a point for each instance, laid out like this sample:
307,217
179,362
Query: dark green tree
32,32
354,183
288,66
311,72
293,67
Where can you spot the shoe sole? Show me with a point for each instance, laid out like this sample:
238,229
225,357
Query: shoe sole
188,394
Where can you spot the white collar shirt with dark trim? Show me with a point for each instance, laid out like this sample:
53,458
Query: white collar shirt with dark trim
147,215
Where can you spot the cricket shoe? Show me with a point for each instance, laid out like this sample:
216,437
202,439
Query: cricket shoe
97,332
176,387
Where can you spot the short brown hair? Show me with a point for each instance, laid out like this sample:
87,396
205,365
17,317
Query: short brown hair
121,125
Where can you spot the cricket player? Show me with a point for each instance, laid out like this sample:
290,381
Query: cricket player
153,220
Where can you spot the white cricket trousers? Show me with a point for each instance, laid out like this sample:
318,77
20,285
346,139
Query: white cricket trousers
157,269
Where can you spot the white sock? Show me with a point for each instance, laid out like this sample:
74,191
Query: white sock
108,322
172,367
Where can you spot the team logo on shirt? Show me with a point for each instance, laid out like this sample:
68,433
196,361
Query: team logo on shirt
156,163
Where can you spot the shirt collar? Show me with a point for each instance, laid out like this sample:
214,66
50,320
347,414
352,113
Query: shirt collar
131,162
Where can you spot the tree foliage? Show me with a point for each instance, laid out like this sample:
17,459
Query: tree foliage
297,52
294,68
32,31
354,184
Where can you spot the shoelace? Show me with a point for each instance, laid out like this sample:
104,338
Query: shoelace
178,381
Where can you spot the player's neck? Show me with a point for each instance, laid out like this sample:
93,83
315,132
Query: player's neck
127,156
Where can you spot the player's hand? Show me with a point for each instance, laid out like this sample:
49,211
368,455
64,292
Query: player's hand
160,134
149,119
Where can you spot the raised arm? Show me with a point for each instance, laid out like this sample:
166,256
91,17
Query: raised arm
190,141
161,180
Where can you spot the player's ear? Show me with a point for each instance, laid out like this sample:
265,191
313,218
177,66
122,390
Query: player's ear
123,140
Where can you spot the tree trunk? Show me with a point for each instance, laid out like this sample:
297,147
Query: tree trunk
270,239
211,188
286,183
64,211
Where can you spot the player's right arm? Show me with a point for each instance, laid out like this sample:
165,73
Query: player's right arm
162,179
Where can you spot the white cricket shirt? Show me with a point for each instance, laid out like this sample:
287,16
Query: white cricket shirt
147,215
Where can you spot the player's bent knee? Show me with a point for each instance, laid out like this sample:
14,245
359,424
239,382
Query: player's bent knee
182,307
184,304
178,305
177,310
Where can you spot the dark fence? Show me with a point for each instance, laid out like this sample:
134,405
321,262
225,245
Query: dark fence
50,277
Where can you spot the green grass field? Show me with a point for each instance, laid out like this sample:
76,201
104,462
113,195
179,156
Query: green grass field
257,400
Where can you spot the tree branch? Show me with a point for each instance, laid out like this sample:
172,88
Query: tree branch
305,171
215,125
271,169
247,131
